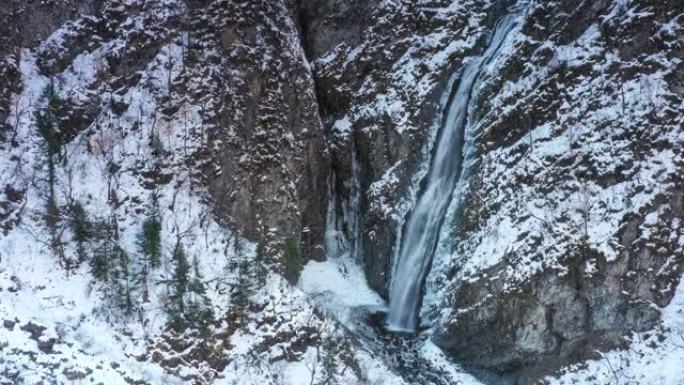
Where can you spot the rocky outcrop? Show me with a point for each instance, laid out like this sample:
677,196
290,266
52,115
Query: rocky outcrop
268,156
263,159
26,24
590,251
327,24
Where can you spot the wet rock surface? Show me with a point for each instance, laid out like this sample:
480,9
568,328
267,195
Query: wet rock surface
268,162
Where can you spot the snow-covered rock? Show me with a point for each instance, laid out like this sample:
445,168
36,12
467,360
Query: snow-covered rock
250,128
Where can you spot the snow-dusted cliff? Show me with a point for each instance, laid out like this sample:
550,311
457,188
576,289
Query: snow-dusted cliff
565,236
173,171
208,108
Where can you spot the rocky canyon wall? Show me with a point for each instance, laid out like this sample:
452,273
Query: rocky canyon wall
568,235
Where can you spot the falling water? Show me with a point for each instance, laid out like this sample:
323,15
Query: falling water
343,221
413,257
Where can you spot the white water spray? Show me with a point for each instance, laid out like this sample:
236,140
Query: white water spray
413,258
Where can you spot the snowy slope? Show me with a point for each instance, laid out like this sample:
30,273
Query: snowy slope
60,325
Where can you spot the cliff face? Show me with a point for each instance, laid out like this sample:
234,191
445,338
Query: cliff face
267,156
565,233
381,94
567,236
240,66
201,114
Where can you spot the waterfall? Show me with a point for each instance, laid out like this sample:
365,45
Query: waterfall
343,222
414,255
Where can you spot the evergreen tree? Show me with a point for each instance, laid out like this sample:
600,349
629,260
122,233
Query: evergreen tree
292,260
105,251
260,270
243,289
331,348
179,285
149,239
149,244
199,310
47,125
124,285
111,265
47,122
80,226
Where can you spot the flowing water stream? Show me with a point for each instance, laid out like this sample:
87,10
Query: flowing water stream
421,230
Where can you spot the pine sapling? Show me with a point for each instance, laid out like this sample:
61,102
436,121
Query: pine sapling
149,245
81,228
243,290
124,284
179,286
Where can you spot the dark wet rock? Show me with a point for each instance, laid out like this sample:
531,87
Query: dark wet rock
267,168
35,330
8,324
328,23
45,344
